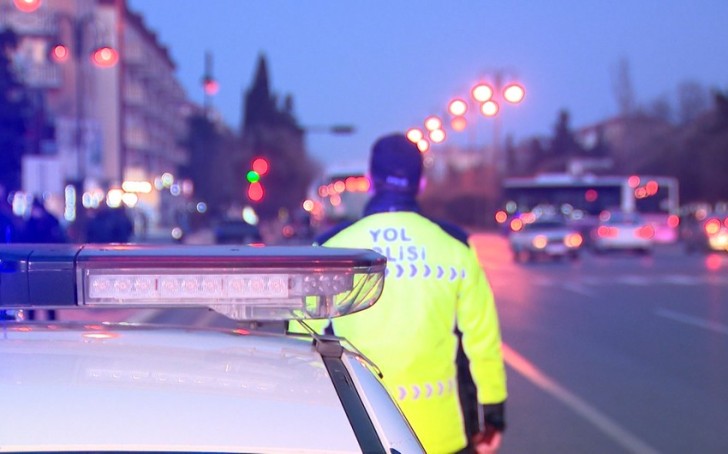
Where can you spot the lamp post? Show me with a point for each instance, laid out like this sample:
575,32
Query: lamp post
485,98
490,96
102,56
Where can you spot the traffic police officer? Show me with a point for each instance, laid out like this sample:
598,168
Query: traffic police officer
434,290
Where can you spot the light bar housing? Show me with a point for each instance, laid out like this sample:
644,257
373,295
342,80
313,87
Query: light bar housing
241,282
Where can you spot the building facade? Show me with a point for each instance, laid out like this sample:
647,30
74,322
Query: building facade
111,121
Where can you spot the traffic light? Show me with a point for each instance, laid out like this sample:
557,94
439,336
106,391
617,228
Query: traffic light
258,167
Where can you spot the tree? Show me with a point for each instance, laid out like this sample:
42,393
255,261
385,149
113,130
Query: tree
269,129
15,109
212,164
692,101
622,84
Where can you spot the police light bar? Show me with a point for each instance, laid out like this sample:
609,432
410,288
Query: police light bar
243,283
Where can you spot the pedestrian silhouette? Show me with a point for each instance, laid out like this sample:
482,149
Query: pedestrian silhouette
9,223
110,225
42,226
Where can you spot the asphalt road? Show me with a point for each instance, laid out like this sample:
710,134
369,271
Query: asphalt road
614,353
617,353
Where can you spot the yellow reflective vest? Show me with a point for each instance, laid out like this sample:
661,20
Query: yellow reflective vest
433,284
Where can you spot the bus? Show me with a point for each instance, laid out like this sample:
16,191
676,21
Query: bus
338,196
581,199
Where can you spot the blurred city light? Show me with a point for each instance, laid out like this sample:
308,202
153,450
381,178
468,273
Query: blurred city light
489,108
114,198
252,176
433,123
437,136
144,187
423,145
457,107
591,195
105,57
249,215
514,93
501,217
414,135
633,181
60,53
482,92
27,6
459,123
255,192
260,165
211,86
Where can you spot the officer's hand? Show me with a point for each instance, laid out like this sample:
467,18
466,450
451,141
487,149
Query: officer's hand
487,441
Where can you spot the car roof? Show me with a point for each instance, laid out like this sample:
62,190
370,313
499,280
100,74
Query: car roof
82,385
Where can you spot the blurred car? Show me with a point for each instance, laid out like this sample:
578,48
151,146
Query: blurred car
623,231
545,237
92,385
236,231
705,232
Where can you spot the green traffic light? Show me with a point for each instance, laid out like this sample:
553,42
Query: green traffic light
253,176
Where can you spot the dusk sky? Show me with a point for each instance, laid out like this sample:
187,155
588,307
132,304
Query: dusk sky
384,66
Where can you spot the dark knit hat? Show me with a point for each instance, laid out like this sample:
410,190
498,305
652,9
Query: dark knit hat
395,164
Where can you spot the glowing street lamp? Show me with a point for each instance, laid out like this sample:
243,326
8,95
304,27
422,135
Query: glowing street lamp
489,108
105,57
491,97
433,123
514,93
27,6
60,53
414,135
457,107
437,135
482,92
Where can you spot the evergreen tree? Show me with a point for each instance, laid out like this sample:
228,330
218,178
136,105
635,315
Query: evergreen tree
15,110
270,130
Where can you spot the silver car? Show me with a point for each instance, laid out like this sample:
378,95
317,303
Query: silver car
90,381
623,231
545,238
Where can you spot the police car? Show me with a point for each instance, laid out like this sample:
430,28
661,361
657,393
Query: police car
82,386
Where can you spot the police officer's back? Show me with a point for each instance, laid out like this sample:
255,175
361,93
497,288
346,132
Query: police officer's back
434,288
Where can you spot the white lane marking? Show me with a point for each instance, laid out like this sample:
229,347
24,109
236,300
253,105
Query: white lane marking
579,289
610,428
628,280
681,279
695,321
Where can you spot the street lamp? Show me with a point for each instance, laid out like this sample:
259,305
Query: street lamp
27,6
210,85
102,56
489,98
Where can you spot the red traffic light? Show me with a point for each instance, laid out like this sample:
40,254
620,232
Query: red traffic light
256,192
261,165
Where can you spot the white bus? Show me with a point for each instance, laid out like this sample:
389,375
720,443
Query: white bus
582,198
